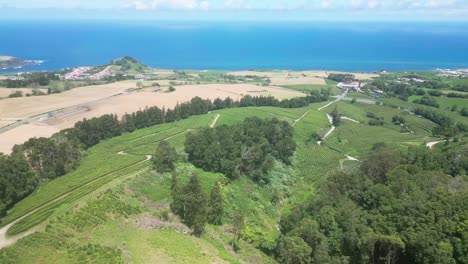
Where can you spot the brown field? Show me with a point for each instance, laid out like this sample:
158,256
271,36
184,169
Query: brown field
29,106
89,105
5,92
297,80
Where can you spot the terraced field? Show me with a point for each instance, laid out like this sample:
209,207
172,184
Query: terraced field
122,163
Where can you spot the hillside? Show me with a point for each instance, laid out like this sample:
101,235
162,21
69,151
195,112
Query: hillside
128,65
371,183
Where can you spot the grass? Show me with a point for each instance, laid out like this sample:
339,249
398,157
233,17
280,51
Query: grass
111,232
315,87
445,103
102,164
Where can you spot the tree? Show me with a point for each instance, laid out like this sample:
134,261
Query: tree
379,162
239,226
216,205
398,120
17,180
383,247
293,250
165,157
336,117
190,203
139,84
195,214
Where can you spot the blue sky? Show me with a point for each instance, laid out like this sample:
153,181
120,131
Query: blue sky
389,10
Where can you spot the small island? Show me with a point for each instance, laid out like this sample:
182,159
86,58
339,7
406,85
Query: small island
9,62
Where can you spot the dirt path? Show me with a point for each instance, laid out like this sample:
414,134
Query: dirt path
6,241
351,158
327,105
340,97
330,119
329,132
215,120
432,144
350,119
300,118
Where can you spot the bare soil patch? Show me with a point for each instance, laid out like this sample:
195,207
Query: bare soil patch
29,106
153,222
96,101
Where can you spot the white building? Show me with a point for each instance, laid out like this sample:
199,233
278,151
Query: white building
353,86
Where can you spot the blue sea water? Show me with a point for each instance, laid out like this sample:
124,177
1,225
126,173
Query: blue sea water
364,46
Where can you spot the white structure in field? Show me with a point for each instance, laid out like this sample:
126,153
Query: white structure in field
353,86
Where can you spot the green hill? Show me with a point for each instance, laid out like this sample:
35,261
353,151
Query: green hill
128,65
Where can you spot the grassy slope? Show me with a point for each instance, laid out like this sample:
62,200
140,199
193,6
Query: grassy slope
261,204
356,139
311,87
445,103
102,159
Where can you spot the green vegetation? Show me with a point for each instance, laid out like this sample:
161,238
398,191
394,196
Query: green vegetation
30,79
376,213
190,203
165,157
128,65
398,200
248,149
341,77
16,94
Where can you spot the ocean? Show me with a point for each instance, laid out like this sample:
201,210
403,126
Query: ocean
364,46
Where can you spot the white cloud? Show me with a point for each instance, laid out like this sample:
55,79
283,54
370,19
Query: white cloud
235,4
205,5
327,4
165,4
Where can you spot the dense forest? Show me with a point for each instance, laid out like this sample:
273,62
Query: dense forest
248,149
48,158
396,207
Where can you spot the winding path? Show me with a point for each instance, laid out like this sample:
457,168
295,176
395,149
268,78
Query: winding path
432,144
350,119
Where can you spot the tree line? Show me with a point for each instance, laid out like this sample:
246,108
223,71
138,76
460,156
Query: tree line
397,207
30,79
446,125
48,158
246,149
342,77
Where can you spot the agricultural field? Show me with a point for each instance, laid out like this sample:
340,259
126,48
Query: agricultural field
114,191
117,98
5,92
445,103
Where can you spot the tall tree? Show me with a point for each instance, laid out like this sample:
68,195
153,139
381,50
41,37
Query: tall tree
336,117
216,205
165,157
195,214
239,226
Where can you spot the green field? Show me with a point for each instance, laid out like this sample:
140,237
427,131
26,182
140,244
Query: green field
314,87
445,103
113,194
